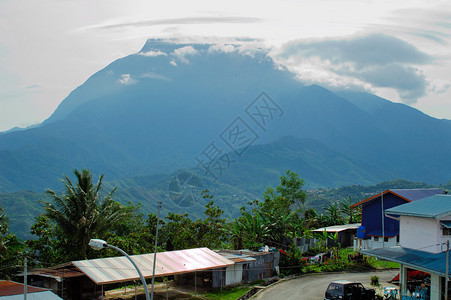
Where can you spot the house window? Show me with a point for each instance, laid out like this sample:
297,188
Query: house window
376,239
446,231
386,239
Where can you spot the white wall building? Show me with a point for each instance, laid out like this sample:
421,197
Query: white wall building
425,228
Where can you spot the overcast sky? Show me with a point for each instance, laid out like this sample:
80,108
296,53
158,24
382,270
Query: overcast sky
399,50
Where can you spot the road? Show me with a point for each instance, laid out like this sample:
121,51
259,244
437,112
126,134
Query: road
312,287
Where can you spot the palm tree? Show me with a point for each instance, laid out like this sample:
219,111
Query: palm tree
333,214
346,209
81,213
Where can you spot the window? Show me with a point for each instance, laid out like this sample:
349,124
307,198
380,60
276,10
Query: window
446,231
386,239
376,238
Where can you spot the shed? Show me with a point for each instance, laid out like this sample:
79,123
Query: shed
255,265
85,278
345,233
119,269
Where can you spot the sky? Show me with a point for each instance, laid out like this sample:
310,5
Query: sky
399,50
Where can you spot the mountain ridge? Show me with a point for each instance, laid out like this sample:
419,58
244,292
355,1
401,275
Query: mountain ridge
155,111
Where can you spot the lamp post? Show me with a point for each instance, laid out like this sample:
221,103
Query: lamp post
97,244
155,250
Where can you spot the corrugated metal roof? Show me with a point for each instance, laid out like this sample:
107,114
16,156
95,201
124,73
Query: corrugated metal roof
236,257
337,228
416,194
46,295
418,260
117,269
436,206
11,289
406,194
57,273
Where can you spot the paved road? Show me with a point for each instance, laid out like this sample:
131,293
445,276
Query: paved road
312,287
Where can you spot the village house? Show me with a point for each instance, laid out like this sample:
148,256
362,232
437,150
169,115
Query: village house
376,233
425,231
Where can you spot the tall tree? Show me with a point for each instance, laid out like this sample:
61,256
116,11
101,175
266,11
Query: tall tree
351,213
278,213
291,188
11,249
333,214
81,213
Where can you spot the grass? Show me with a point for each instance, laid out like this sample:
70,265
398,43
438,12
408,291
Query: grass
231,293
381,264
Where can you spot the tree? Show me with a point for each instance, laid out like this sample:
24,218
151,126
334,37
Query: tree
351,213
333,214
291,188
11,249
276,219
81,213
183,233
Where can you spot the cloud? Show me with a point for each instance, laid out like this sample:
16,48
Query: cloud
372,61
183,52
179,21
227,48
152,53
173,63
126,79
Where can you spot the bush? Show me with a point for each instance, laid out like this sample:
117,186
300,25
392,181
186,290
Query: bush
374,280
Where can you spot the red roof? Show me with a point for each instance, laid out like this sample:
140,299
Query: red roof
10,288
408,195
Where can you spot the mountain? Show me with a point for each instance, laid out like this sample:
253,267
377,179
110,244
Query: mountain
174,106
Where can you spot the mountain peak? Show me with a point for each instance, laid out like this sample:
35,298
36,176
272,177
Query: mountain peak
158,46
169,45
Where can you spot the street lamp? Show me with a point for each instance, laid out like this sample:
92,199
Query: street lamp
98,244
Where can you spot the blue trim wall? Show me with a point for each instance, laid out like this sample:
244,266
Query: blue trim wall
372,216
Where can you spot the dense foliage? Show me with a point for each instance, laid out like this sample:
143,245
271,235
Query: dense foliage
11,249
71,219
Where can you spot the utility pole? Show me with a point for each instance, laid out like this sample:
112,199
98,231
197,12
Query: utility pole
447,270
383,222
25,278
155,251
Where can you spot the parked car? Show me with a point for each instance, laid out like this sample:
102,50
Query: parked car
348,290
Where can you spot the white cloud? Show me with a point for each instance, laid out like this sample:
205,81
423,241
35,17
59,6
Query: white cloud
370,61
126,79
152,53
182,53
227,48
173,63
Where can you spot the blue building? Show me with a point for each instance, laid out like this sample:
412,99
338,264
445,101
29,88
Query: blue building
385,234
425,230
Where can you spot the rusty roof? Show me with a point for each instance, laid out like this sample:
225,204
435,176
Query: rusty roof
57,274
10,288
117,269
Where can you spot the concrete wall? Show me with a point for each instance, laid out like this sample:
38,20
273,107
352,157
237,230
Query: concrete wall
374,243
421,233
